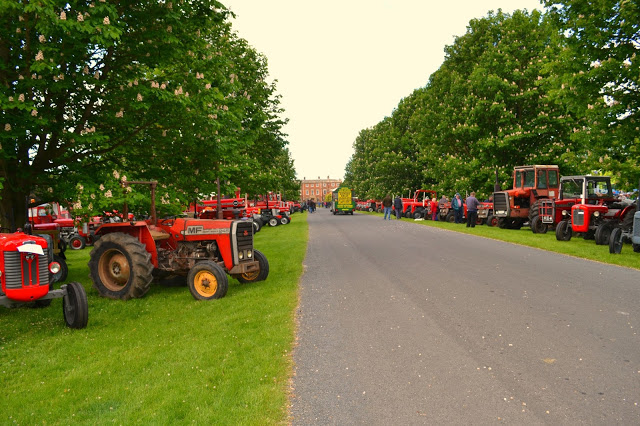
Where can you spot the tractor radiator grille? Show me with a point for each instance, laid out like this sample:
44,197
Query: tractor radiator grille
19,272
500,204
577,217
244,236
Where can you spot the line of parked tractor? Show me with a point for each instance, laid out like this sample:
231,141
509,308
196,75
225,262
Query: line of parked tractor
540,198
200,246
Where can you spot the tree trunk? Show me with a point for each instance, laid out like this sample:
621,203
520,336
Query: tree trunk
13,210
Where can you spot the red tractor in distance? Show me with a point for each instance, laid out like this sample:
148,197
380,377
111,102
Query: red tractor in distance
28,271
128,255
587,206
418,206
519,205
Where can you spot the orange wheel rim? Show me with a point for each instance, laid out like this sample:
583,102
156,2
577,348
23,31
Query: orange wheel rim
205,283
250,276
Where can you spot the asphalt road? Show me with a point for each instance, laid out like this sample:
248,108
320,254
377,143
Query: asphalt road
407,324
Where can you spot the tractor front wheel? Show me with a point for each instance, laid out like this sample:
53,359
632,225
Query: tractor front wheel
207,280
603,233
261,274
273,221
615,241
563,231
537,226
120,267
492,221
61,275
75,307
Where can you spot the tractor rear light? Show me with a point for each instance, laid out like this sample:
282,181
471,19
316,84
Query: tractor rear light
54,267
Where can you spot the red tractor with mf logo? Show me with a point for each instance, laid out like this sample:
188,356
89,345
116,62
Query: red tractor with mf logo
128,255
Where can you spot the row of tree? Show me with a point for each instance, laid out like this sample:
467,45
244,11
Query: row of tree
96,92
559,87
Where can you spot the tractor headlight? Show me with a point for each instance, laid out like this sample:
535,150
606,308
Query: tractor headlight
596,214
54,267
565,212
249,254
241,255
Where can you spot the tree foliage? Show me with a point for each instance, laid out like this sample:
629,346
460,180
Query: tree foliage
505,95
154,90
600,66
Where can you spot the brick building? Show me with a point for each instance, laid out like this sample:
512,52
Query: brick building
317,188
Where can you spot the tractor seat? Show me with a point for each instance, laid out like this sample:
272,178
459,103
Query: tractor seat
159,235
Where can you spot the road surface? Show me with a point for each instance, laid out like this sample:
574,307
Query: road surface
407,324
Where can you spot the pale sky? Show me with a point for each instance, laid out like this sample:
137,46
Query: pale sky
342,66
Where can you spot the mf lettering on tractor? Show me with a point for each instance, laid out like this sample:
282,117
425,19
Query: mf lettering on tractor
200,230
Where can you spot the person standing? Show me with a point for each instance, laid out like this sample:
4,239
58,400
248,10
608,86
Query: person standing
387,203
472,210
397,204
457,206
434,209
442,204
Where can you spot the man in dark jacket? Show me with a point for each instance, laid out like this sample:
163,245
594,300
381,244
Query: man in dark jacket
397,204
472,210
387,203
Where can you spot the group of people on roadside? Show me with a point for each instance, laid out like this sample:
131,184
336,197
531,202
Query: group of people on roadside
457,205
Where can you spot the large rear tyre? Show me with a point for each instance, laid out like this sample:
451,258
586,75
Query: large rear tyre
563,231
120,267
259,275
75,307
207,280
77,242
615,241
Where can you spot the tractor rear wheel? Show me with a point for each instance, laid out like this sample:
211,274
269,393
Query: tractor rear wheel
563,231
257,226
77,242
615,241
261,274
207,280
450,217
75,307
120,267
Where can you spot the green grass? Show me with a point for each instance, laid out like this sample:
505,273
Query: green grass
162,359
577,246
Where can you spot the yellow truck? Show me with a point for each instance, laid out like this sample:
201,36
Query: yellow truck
342,201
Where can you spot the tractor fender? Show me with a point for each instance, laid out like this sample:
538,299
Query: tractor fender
139,230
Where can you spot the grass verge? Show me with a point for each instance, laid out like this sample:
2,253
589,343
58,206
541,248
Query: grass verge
577,246
162,359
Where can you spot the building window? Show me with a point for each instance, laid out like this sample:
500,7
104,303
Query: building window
307,192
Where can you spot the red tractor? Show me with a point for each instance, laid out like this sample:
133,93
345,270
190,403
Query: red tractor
28,271
128,255
418,206
531,185
588,206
